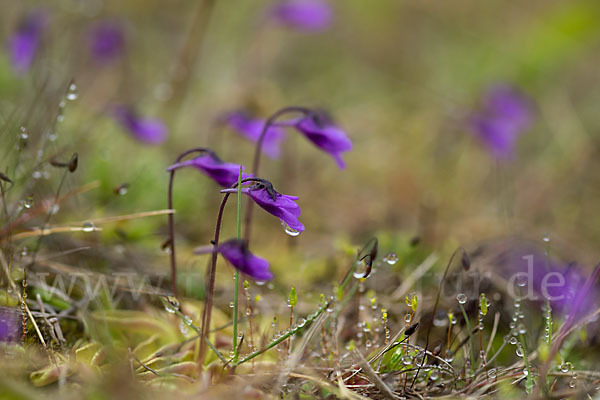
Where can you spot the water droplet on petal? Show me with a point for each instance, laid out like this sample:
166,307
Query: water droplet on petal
288,230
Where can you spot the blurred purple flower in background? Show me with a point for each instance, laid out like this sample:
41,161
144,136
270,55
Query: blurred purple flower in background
226,174
251,128
320,130
307,15
106,41
25,41
10,324
236,252
529,271
505,115
147,130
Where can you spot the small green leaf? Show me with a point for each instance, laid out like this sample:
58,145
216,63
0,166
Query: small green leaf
483,306
293,297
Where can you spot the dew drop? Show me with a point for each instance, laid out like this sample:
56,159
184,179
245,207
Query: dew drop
564,367
88,226
28,203
440,319
23,134
288,230
492,373
521,281
301,322
360,270
519,352
572,384
172,304
183,328
72,92
513,340
391,258
547,238
231,305
54,209
461,298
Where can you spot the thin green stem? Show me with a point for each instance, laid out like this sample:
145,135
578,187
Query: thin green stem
281,338
189,323
237,273
472,342
529,382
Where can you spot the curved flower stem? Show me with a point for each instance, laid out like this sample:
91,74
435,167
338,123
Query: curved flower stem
237,273
206,313
172,217
258,151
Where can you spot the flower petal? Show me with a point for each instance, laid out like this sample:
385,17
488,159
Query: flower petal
236,252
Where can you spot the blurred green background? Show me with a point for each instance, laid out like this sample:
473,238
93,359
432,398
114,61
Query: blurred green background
399,76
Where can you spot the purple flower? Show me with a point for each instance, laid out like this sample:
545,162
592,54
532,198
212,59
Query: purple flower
505,115
280,205
226,174
147,130
318,128
307,15
521,263
251,128
106,41
10,324
236,252
24,42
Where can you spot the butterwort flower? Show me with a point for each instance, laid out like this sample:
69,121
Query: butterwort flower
251,128
280,205
224,173
25,41
10,324
306,15
147,130
505,115
236,252
106,41
323,133
543,278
